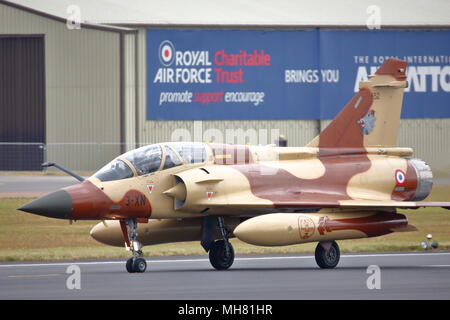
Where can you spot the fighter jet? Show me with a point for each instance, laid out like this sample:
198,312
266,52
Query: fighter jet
347,183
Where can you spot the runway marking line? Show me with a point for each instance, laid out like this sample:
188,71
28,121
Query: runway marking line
237,259
437,265
35,275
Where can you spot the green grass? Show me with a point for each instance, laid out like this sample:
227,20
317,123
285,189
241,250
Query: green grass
27,237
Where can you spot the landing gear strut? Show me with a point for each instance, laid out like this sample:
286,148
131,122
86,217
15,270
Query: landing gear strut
136,263
327,254
221,253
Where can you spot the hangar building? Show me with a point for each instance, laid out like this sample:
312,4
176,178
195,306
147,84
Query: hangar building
82,81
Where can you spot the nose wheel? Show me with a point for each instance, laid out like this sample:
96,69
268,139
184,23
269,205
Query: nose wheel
221,253
136,264
327,254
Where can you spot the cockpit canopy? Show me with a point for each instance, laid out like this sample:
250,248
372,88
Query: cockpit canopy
146,159
152,158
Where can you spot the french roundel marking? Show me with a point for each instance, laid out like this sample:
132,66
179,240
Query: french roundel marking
166,53
400,177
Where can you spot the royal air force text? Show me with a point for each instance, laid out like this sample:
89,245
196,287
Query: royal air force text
196,67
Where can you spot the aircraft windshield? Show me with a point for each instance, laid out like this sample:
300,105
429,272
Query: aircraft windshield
115,170
146,159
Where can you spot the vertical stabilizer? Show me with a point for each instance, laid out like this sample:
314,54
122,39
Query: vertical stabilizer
372,117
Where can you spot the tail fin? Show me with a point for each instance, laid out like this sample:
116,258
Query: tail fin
372,117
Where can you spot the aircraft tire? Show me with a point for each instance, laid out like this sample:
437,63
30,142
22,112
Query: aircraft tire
327,259
218,257
129,265
139,265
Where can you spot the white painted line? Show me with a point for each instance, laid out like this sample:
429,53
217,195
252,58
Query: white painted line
237,259
352,256
56,264
437,265
397,254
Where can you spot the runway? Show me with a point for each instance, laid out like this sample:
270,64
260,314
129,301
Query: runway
15,186
402,276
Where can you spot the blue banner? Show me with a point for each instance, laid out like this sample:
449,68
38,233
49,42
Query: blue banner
287,74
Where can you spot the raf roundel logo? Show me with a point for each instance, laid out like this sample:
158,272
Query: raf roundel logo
400,178
166,53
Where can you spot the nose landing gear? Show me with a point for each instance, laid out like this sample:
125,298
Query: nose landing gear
136,264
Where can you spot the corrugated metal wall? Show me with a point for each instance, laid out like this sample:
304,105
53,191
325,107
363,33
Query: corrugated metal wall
266,132
130,91
82,88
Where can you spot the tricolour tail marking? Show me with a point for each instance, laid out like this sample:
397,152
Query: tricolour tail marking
372,117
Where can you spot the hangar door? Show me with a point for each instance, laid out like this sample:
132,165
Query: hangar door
22,102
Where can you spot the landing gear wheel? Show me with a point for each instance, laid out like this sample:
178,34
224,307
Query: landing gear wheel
327,259
220,257
129,265
139,265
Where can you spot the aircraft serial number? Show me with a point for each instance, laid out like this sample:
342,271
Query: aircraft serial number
137,201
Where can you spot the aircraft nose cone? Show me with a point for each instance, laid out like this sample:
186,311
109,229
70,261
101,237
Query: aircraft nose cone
57,204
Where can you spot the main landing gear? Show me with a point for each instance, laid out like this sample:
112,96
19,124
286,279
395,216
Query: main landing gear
327,254
221,253
136,264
